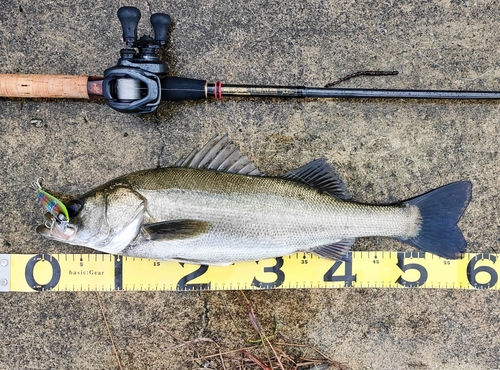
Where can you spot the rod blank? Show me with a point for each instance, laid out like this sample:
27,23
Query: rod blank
317,92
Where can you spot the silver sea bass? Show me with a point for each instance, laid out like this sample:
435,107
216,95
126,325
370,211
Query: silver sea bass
215,207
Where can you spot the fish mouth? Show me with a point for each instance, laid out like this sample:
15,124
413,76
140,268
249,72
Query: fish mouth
44,231
54,230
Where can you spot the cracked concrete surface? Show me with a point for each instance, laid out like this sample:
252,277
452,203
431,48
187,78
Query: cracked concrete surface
385,150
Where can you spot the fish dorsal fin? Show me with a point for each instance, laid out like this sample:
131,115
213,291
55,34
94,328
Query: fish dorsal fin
338,251
320,175
220,155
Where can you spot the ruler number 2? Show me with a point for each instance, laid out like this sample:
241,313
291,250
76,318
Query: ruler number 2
183,283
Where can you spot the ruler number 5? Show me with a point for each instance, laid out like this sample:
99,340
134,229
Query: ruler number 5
411,266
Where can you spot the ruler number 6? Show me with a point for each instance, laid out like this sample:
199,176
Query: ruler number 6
472,271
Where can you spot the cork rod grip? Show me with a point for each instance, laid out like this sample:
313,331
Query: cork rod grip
43,86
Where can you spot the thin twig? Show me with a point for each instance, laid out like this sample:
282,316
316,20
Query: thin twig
244,349
362,73
109,331
256,324
256,361
337,364
190,345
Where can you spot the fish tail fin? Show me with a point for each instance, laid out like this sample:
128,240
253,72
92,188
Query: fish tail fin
440,211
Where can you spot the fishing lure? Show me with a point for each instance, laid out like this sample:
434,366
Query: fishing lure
53,205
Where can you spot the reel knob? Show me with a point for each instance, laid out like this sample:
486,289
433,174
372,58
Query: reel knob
129,17
161,23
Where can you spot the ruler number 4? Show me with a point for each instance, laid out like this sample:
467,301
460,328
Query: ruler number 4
348,278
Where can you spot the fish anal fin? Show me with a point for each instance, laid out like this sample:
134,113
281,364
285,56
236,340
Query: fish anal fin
175,229
337,251
320,175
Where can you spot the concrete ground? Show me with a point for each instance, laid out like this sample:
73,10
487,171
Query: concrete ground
386,150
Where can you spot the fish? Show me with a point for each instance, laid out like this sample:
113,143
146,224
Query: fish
214,207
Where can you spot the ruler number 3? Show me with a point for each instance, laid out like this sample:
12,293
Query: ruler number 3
276,269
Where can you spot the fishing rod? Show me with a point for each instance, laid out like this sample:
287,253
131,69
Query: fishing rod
139,82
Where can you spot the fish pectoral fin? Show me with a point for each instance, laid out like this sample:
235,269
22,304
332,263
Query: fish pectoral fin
175,229
337,251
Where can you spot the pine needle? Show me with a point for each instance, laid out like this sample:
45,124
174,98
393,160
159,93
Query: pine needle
109,331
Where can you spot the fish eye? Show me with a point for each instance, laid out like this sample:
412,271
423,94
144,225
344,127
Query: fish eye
74,207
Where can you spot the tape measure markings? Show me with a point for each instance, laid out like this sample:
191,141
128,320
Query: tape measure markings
103,272
118,272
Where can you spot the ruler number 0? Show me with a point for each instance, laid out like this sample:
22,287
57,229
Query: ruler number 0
30,268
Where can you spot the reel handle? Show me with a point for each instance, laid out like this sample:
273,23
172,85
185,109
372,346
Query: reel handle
129,17
134,84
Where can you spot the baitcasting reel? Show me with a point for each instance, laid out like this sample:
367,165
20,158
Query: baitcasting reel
138,83
134,84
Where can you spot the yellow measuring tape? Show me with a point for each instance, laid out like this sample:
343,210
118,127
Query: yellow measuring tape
103,272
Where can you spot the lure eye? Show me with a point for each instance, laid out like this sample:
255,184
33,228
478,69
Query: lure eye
74,207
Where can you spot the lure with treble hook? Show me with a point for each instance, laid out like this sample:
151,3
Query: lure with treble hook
53,205
139,81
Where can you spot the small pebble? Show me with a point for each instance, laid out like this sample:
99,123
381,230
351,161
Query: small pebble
37,122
